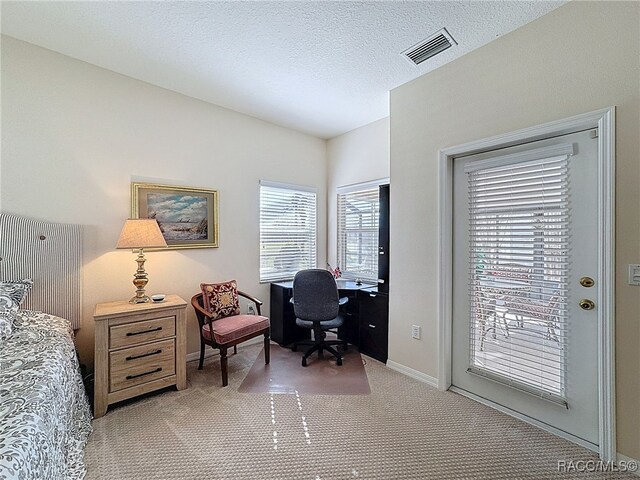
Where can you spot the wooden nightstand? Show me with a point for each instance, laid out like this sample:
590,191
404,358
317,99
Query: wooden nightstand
138,349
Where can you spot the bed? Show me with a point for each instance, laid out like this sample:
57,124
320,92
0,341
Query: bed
45,419
44,414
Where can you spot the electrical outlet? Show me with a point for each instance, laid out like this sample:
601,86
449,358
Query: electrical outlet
251,310
415,332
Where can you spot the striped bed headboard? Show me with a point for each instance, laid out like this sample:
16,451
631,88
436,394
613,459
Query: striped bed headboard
51,255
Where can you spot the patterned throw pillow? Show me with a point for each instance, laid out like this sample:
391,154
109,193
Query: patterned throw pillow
221,299
12,293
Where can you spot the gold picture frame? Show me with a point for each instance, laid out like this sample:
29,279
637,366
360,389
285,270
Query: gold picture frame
188,217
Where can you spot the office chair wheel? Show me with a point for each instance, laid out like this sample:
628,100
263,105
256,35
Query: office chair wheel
339,361
304,362
294,348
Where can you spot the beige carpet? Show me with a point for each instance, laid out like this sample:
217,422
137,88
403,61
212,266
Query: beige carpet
402,430
322,376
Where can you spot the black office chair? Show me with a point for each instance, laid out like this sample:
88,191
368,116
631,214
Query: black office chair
316,305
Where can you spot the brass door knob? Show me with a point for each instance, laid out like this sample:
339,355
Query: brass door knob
587,304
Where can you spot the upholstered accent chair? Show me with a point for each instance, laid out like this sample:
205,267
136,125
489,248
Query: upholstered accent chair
316,305
222,326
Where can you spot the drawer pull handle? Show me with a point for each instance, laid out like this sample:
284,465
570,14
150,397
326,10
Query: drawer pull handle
130,377
131,334
373,295
135,357
372,326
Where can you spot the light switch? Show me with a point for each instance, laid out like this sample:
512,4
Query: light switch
634,274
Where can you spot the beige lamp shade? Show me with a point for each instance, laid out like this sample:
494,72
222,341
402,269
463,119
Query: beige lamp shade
141,233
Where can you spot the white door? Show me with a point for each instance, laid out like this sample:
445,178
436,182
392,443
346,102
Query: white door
525,249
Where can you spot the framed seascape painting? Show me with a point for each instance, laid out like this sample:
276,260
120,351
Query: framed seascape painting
188,217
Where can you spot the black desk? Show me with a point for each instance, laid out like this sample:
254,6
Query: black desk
284,330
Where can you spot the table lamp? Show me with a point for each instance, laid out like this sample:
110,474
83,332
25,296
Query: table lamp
140,234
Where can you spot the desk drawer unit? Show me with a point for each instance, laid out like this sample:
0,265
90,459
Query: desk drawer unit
138,349
374,324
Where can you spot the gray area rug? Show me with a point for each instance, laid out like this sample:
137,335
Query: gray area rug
403,430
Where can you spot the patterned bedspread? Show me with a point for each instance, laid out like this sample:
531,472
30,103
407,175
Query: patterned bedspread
44,414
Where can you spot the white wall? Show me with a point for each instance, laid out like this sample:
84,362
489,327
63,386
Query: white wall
581,57
75,135
358,156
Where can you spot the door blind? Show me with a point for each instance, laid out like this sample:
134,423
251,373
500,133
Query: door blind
519,237
287,231
358,222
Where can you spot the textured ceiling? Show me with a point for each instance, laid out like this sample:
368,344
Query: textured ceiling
320,67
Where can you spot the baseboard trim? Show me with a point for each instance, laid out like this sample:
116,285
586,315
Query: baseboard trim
628,460
410,372
210,352
524,418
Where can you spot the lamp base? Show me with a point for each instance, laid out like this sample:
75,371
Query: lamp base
140,281
143,299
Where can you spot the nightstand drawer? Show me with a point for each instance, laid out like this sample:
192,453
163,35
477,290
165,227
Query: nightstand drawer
140,332
136,365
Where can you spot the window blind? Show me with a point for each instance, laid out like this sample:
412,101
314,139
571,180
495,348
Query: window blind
519,237
358,222
287,230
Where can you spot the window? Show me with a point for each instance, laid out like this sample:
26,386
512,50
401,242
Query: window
287,230
519,226
358,221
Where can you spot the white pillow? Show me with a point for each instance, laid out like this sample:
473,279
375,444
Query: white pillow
12,294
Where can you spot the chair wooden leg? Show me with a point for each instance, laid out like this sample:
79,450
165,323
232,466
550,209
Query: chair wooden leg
224,366
235,349
267,349
201,355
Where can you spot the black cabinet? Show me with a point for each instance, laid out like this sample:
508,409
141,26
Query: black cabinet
284,330
383,240
374,324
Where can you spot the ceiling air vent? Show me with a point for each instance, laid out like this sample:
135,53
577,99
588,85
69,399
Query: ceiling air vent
436,43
